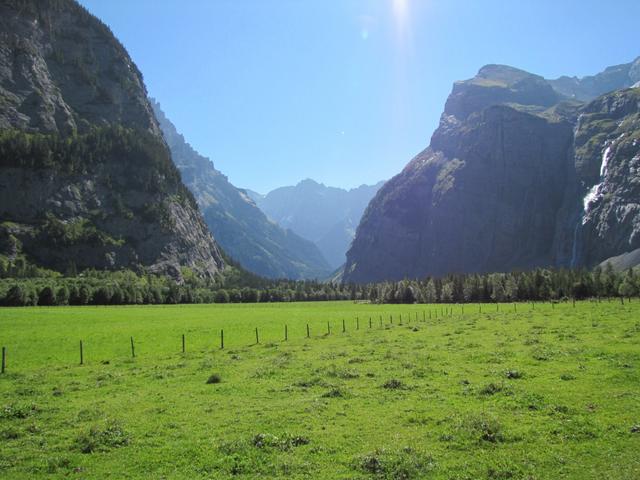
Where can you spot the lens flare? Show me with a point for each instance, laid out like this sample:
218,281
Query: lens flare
400,12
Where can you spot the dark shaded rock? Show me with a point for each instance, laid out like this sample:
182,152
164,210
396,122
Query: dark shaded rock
513,179
97,188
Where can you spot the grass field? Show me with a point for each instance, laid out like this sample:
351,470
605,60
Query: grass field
537,393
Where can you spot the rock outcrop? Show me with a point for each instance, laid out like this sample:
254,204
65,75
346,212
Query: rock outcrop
86,179
517,176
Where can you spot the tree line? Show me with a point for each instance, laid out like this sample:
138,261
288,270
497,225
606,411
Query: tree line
238,286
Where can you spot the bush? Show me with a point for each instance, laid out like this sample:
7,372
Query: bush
103,438
402,464
214,378
394,384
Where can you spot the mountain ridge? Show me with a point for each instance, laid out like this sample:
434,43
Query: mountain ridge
87,179
241,228
322,214
501,185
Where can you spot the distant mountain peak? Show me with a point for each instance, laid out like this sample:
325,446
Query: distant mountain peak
241,228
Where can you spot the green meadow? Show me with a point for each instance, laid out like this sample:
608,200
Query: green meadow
524,392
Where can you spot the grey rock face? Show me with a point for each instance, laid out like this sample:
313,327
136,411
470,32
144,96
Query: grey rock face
63,74
243,230
607,166
503,185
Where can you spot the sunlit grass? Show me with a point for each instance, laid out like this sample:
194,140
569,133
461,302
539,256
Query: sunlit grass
537,393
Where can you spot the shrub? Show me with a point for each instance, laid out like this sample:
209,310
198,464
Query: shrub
484,428
404,464
17,410
103,438
214,378
334,393
490,389
394,384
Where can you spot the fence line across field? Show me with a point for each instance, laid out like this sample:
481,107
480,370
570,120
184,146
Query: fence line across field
433,314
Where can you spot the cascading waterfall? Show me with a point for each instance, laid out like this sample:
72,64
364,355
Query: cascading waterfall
594,194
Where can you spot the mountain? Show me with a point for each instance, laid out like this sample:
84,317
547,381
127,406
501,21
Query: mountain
590,87
517,175
244,232
86,179
328,216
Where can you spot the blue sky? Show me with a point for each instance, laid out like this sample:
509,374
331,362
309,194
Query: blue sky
344,91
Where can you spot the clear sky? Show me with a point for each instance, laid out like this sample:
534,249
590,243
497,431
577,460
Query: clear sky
344,91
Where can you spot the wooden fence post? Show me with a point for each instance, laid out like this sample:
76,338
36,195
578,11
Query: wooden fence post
308,334
257,338
357,323
369,322
183,349
343,326
81,354
286,334
4,359
133,350
221,339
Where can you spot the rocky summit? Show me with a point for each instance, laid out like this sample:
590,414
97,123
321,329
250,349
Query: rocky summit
328,216
86,179
520,173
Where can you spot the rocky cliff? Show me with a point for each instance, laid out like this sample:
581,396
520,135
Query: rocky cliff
86,179
241,228
517,175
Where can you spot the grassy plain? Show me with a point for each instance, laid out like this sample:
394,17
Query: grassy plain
537,393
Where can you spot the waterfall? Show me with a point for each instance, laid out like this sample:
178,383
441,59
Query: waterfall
574,250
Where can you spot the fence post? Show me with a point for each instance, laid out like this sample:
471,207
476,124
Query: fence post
357,323
380,321
133,350
257,338
286,334
328,328
221,339
183,349
81,354
4,359
343,327
369,322
308,330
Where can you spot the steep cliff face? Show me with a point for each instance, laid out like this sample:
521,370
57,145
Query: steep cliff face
513,179
86,179
241,228
328,216
607,166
